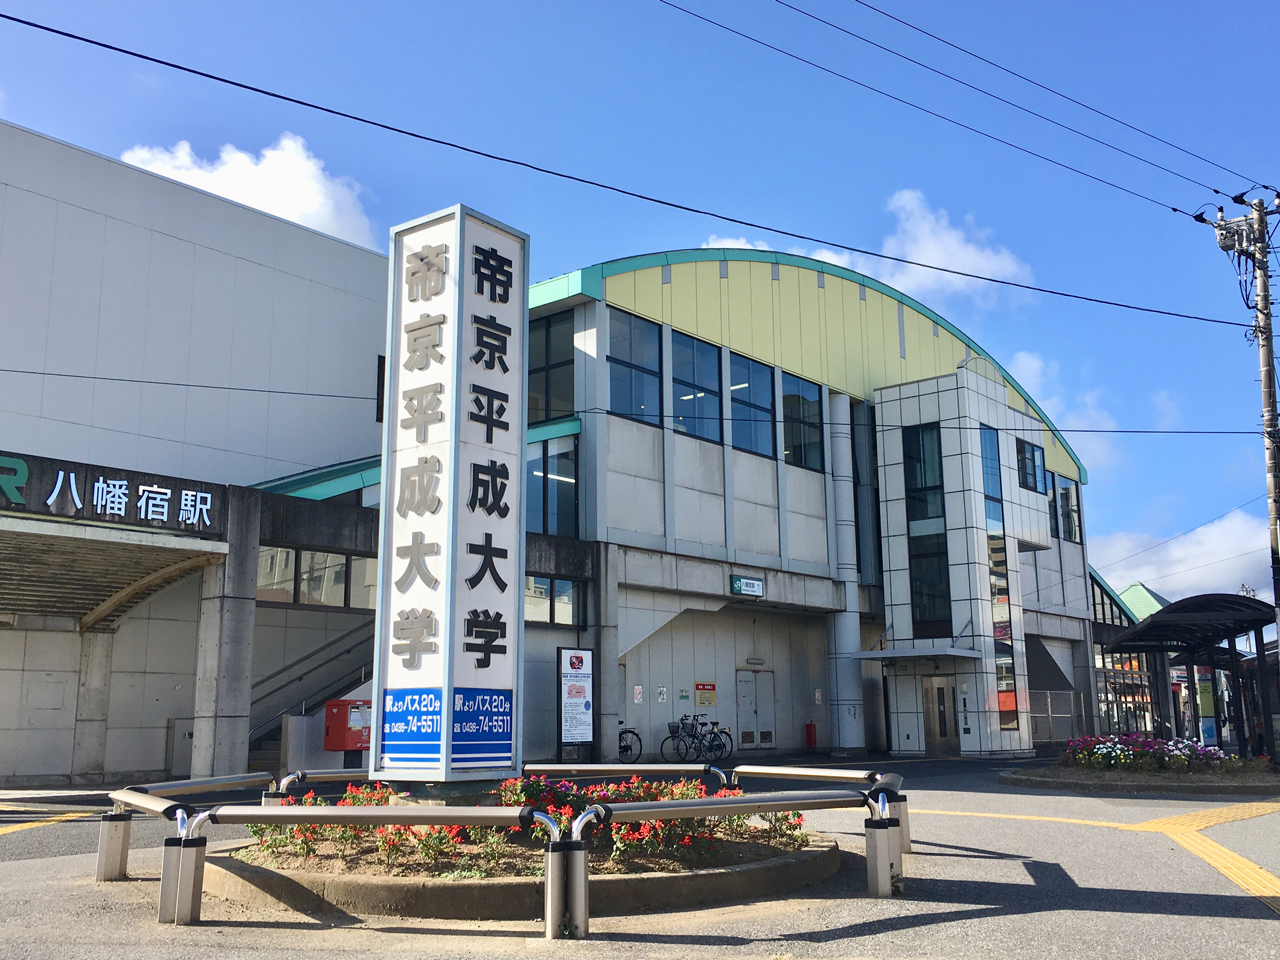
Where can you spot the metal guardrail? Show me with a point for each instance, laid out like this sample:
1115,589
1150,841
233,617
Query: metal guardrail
581,770
566,868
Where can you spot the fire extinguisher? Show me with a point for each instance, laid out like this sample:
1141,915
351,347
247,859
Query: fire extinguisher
811,735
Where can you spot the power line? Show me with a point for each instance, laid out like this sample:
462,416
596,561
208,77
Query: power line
621,191
1048,89
1165,576
996,96
1184,533
916,106
193,386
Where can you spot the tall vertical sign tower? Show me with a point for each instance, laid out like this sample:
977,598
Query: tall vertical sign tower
450,616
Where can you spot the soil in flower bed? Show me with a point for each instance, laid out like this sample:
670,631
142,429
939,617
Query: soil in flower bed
513,859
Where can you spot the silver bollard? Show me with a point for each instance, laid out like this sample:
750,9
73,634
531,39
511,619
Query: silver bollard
879,858
273,798
898,811
113,846
554,890
169,862
190,880
895,855
576,888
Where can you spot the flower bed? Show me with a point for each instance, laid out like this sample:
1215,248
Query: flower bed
1135,753
467,852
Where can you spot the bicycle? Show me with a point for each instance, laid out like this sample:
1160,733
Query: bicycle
630,746
690,736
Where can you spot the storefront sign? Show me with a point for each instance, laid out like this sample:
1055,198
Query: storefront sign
450,611
746,586
576,715
704,695
42,487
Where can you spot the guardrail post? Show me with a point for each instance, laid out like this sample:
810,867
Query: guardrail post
879,858
113,846
898,811
895,855
169,865
577,894
554,891
190,880
273,798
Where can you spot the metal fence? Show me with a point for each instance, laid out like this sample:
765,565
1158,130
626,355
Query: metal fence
566,879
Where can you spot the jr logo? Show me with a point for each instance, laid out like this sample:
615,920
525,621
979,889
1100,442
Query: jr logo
9,483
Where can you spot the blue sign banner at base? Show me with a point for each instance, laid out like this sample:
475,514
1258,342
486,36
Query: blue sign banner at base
482,729
412,727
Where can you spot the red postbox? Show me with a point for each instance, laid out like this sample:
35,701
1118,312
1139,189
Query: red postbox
346,724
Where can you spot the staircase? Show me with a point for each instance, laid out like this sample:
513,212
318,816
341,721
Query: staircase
303,686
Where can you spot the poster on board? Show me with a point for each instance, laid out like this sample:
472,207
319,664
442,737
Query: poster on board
576,713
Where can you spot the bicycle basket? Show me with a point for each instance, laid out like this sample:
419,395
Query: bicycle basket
673,727
687,727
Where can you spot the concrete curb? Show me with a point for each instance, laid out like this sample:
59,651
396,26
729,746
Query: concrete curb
515,898
1098,786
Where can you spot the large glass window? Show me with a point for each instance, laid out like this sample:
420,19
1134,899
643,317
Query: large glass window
926,532
322,579
751,393
1031,467
551,473
276,567
364,583
801,422
997,556
1125,684
551,367
1069,508
695,385
1052,482
557,602
635,368
1006,686
309,577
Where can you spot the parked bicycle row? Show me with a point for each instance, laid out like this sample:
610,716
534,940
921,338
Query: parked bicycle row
692,737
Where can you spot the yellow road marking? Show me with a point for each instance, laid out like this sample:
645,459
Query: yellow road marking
1184,831
1204,819
1019,816
15,827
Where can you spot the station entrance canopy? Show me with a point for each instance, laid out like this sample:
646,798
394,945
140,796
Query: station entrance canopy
1190,629
90,543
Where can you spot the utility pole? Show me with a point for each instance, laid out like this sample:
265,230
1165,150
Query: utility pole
1246,238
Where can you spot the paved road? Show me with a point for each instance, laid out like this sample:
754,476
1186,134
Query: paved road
1017,884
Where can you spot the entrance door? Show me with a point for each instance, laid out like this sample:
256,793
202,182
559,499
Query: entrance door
941,736
755,710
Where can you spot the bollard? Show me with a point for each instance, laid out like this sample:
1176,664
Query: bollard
273,798
895,855
190,880
576,889
898,811
113,846
169,879
554,889
879,863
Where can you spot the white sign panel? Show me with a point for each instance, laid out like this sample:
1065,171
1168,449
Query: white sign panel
450,614
575,697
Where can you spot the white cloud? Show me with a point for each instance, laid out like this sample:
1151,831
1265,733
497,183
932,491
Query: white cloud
1168,417
286,180
927,235
1081,411
1033,372
734,243
1215,558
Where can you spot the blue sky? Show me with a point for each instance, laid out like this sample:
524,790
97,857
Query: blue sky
645,97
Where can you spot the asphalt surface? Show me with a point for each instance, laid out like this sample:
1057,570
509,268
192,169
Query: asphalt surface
977,887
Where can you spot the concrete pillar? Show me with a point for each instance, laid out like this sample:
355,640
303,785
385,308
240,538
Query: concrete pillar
224,645
612,706
92,699
844,628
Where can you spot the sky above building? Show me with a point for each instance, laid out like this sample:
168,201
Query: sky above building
647,97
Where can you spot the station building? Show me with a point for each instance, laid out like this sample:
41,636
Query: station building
761,487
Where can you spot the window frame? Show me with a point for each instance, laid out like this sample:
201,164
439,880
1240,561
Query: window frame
1035,481
578,602
751,405
803,424
1072,510
678,382
929,544
544,446
631,318
296,592
547,368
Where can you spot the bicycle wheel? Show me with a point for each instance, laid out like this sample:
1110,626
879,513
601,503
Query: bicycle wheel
688,747
714,749
670,749
727,739
629,746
